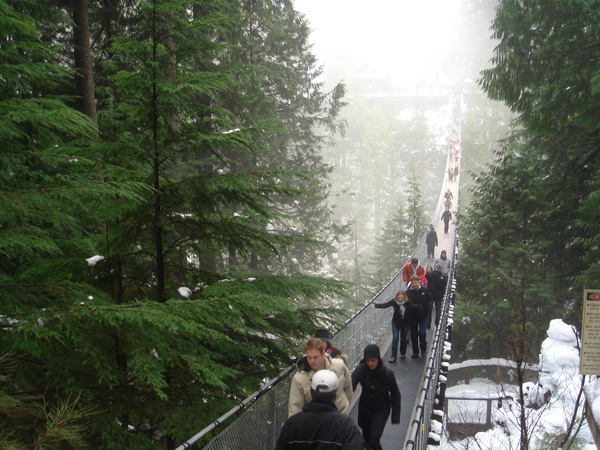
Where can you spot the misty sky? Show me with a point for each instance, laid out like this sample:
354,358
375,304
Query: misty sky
400,38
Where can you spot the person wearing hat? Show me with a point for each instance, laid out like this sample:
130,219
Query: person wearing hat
431,240
331,350
319,424
380,394
314,360
412,268
446,264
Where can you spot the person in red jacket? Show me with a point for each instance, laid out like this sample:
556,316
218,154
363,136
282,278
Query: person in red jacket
412,268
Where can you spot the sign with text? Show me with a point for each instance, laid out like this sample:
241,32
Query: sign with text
589,363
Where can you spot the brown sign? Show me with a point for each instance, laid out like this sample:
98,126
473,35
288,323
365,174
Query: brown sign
589,362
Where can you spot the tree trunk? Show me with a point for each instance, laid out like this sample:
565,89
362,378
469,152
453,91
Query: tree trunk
84,79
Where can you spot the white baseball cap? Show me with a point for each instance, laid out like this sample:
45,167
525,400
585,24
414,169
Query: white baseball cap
324,381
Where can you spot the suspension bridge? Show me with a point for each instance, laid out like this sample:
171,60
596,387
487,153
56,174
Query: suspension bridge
255,423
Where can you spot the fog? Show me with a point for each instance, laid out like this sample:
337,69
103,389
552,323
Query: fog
408,41
403,64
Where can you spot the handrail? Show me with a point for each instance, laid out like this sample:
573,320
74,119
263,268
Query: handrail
420,422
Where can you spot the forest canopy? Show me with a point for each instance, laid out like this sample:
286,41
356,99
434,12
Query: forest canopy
162,212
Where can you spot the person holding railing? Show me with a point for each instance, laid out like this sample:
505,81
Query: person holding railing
401,325
316,359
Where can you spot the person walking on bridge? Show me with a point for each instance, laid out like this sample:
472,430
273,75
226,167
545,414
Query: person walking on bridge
412,268
420,297
319,425
316,359
380,394
401,325
436,285
446,266
431,240
446,217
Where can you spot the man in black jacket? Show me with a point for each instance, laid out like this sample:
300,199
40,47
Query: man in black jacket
319,426
422,302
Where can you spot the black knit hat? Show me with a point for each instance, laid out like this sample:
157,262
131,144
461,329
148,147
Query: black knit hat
372,351
323,335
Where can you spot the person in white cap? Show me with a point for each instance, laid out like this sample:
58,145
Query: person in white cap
319,425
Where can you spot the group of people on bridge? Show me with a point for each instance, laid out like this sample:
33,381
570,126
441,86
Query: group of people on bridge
322,387
413,307
320,397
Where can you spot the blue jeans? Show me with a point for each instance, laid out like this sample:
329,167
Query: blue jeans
395,338
402,336
404,339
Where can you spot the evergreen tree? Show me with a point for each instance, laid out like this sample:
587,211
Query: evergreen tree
545,72
158,332
391,249
415,211
505,272
272,56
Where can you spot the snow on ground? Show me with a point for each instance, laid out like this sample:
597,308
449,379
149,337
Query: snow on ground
559,382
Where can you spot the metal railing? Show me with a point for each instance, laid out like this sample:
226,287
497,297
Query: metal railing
428,396
263,413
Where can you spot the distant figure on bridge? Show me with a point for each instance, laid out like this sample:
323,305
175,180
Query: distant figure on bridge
380,394
412,268
446,217
432,241
450,174
448,195
420,297
319,425
446,266
402,320
456,171
316,359
331,349
436,285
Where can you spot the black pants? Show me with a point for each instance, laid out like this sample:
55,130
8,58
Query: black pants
372,423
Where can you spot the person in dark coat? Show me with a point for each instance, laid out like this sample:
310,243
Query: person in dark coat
380,394
401,325
422,302
319,426
436,285
446,217
432,241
